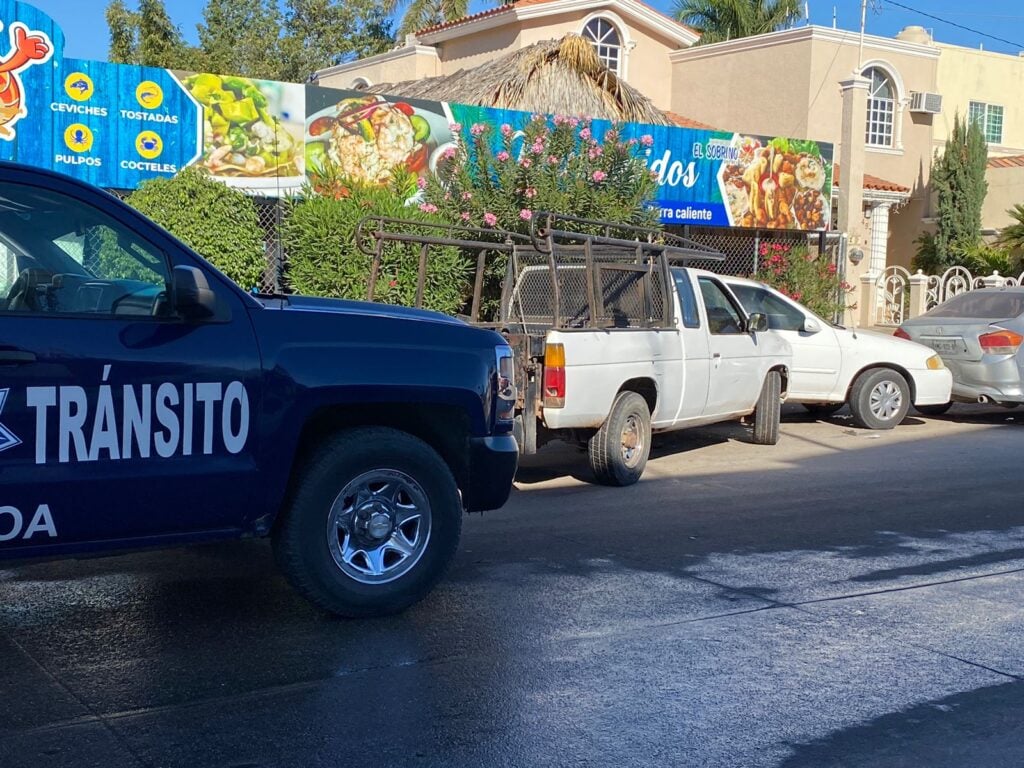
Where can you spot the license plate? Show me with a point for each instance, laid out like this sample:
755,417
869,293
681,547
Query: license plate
950,346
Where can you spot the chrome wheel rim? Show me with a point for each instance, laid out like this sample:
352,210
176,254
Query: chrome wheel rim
632,440
379,526
886,400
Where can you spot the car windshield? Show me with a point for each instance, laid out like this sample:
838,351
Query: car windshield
983,305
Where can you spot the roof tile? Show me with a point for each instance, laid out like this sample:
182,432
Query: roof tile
873,182
1016,161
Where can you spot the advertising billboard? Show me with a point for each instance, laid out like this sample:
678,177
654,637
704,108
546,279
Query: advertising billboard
117,125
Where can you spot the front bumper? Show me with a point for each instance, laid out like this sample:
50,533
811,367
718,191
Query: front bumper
932,387
996,378
493,462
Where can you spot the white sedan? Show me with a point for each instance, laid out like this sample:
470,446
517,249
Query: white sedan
878,375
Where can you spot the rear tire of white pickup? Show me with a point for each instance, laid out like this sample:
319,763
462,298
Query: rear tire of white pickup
373,522
618,452
879,399
769,410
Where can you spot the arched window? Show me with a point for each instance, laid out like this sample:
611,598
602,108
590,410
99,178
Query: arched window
607,41
881,108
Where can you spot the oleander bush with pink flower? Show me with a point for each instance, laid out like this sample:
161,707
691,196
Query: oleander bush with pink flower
497,177
803,276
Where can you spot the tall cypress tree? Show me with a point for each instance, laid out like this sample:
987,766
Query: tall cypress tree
958,178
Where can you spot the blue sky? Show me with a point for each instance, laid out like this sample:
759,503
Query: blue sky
86,31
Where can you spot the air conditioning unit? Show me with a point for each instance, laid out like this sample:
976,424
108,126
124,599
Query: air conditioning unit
928,103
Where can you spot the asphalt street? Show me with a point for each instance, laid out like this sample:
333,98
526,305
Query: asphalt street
846,598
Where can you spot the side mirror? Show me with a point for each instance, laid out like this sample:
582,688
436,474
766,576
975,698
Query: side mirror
193,297
757,322
811,325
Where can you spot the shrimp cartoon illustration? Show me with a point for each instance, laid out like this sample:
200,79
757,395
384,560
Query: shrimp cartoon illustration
27,48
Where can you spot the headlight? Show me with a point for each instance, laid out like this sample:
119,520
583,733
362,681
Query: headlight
506,384
935,363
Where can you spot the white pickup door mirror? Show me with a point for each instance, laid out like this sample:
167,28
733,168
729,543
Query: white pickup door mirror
811,325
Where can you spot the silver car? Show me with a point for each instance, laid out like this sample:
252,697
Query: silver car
979,335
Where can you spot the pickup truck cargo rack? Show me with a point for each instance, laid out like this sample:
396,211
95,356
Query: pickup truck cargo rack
568,273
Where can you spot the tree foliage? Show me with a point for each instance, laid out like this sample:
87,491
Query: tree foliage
253,38
1011,236
811,279
958,179
219,223
424,13
241,37
719,20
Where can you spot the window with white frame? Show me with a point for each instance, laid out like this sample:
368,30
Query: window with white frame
881,108
989,118
606,41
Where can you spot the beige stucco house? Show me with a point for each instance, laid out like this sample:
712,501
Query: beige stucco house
886,103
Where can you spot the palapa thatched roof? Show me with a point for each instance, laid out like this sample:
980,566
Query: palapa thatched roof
562,77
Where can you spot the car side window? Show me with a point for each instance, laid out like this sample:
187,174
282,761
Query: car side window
782,316
723,316
60,256
687,301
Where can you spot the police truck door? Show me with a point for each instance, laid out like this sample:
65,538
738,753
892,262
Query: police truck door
118,418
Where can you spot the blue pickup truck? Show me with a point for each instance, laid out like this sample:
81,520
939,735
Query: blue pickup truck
145,400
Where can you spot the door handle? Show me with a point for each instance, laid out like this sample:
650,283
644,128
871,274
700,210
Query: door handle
16,357
716,359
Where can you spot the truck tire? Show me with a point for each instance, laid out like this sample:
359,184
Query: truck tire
823,410
372,524
933,410
879,399
619,450
768,412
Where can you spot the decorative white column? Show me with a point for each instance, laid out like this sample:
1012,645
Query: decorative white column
879,237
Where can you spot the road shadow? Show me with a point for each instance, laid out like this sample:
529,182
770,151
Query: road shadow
977,728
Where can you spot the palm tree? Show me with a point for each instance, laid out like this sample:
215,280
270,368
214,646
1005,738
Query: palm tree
719,20
1011,236
420,14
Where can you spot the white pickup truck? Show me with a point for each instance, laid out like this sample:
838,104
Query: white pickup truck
613,339
608,356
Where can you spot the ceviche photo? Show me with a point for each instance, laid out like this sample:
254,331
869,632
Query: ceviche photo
365,138
252,128
782,184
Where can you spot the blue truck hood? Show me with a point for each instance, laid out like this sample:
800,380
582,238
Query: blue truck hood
346,307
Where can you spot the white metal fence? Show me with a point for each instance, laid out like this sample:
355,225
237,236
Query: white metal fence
895,294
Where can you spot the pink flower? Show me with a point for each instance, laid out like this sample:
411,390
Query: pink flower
538,117
530,192
573,122
455,127
526,162
464,215
421,182
449,153
553,160
477,129
797,296
595,152
502,156
467,195
610,137
506,130
428,207
631,143
490,219
585,134
763,249
538,147
599,176
526,214
831,269
392,283
647,140
558,120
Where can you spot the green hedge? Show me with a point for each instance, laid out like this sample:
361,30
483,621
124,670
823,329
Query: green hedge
318,236
219,223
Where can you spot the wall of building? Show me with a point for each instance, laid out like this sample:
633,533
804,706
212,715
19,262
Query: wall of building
408,63
1005,190
645,61
966,75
